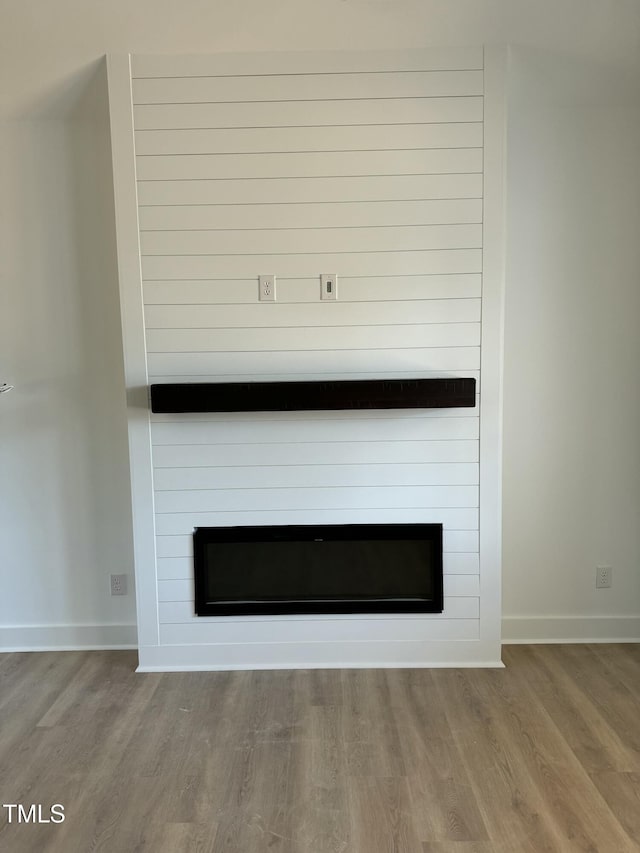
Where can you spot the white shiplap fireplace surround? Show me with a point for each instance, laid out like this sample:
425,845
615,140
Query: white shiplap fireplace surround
386,169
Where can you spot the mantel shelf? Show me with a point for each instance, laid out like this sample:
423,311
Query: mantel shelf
313,396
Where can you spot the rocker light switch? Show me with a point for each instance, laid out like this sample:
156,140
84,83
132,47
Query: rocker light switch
328,286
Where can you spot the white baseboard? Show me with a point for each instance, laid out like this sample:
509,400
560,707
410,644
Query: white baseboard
571,629
45,638
515,629
317,655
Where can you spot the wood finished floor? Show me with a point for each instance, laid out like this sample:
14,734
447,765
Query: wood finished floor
541,756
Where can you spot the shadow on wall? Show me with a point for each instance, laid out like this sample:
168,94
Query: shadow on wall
56,98
63,443
96,253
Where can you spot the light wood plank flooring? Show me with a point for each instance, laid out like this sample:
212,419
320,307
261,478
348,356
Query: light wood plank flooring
541,756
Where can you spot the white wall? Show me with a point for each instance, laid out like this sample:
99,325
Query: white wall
51,53
65,524
572,392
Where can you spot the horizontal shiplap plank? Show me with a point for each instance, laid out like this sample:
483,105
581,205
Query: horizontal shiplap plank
308,113
404,287
314,430
228,218
311,240
292,265
214,500
273,418
171,552
460,554
270,315
178,588
461,586
303,87
310,190
453,519
243,140
456,607
293,375
313,338
467,563
266,418
390,630
308,164
391,453
307,62
457,545
412,362
309,476
386,289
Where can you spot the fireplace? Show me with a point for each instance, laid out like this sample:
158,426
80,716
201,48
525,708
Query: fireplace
353,568
246,413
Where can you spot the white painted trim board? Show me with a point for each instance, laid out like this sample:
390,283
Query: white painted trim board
570,629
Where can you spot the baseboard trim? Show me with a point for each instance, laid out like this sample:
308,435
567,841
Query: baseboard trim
49,638
536,629
318,655
491,664
570,629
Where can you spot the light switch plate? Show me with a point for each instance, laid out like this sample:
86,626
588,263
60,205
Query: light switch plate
329,286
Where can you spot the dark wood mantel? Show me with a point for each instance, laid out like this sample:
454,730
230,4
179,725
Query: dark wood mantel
313,396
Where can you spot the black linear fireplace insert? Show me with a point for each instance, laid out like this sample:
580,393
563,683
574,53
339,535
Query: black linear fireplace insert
351,568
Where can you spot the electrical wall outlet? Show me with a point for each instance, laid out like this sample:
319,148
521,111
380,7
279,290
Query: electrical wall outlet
267,288
118,584
329,286
604,577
